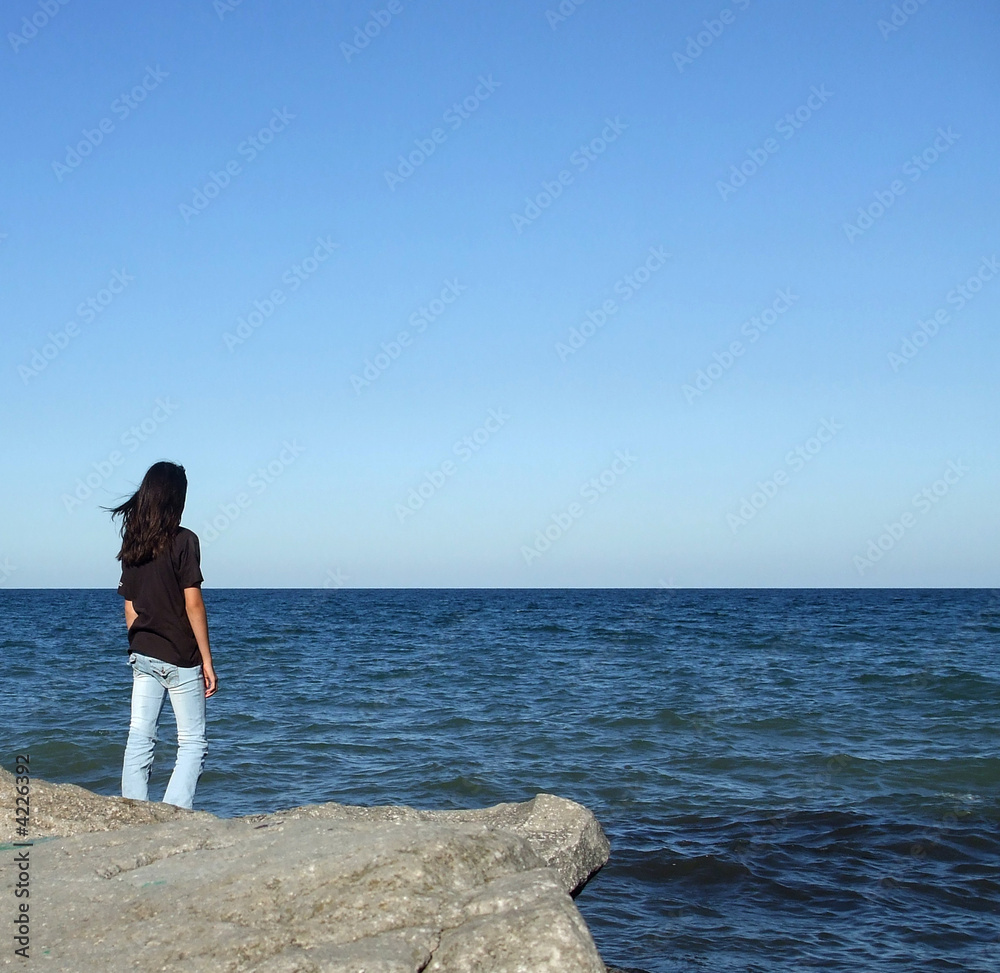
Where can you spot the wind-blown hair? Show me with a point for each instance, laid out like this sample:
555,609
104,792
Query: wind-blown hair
151,516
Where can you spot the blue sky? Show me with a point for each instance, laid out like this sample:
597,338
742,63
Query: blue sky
458,307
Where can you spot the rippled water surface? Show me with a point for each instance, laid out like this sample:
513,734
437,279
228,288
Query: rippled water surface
790,780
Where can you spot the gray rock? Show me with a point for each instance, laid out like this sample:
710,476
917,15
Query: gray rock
325,888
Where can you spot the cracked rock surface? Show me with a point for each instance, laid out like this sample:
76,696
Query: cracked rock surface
125,885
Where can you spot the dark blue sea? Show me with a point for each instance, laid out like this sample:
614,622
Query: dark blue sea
790,779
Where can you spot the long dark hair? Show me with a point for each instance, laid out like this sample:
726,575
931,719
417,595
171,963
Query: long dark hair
151,516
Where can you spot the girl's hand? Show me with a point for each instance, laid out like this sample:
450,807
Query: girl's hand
211,680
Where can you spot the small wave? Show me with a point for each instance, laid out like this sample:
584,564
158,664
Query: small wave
626,637
668,867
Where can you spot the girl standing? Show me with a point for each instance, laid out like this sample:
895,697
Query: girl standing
167,632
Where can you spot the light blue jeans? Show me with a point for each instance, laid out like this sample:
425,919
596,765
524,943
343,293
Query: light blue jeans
150,679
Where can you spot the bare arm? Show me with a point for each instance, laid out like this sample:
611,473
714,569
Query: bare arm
130,614
197,616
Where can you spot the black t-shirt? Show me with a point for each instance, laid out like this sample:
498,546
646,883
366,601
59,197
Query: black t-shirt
156,590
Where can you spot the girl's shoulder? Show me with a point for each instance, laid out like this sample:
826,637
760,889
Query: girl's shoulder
187,558
185,539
